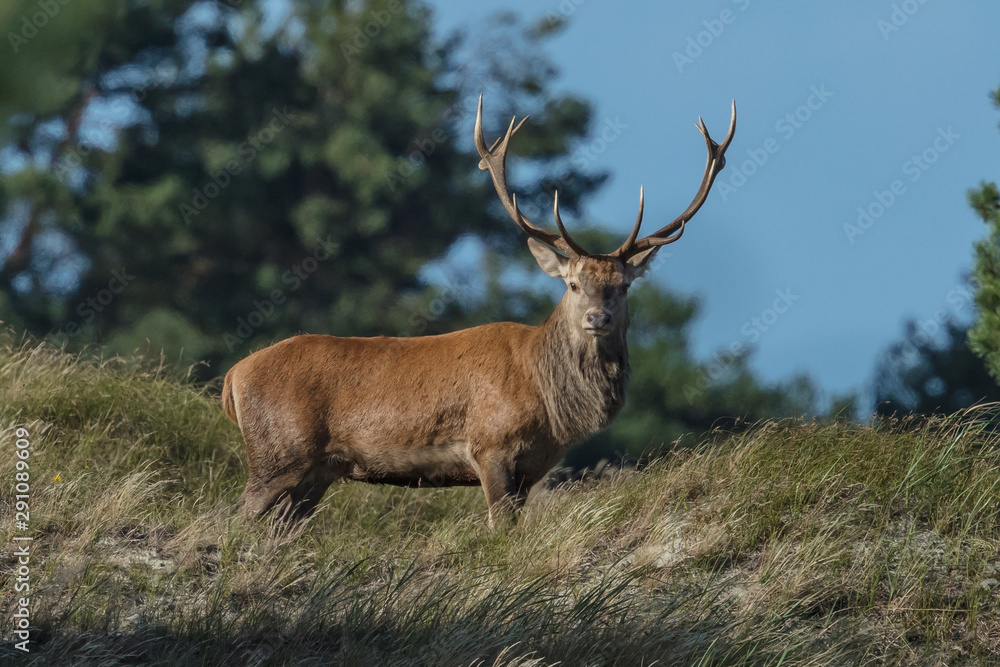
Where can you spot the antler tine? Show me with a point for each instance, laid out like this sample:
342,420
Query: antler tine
478,132
574,246
627,246
494,160
525,227
715,163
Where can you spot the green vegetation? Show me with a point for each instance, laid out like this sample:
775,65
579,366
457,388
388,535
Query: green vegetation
225,181
790,543
984,337
932,370
204,181
945,364
202,178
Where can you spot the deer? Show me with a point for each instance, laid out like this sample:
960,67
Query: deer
496,405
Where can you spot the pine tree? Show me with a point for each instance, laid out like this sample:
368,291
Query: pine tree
211,183
984,337
931,373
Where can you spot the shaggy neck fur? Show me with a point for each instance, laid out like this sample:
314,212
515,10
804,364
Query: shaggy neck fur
582,379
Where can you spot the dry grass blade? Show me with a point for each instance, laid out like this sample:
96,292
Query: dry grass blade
791,544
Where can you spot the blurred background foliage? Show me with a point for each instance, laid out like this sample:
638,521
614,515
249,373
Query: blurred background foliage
204,178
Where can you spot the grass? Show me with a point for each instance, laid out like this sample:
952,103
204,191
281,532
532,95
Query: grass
790,544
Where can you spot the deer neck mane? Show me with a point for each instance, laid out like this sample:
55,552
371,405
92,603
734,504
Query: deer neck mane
582,379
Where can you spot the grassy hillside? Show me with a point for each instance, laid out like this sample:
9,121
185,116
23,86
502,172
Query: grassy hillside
792,544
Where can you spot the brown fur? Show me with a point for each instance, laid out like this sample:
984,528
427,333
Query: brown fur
496,405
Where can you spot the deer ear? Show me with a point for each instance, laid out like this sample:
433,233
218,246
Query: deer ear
637,264
551,262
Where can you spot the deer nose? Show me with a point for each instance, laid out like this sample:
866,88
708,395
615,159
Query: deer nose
597,319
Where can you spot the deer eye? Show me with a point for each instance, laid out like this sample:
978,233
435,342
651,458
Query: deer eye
574,287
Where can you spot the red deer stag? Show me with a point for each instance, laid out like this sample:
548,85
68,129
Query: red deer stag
496,405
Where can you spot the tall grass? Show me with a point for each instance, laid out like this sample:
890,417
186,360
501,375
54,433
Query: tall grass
789,544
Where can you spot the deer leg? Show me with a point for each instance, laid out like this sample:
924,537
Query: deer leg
261,495
293,496
257,500
287,474
505,491
306,495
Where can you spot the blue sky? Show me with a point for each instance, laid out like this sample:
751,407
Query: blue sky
879,105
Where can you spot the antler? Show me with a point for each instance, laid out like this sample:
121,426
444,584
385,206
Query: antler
496,163
673,231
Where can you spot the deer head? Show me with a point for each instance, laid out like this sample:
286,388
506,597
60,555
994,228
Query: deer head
596,285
